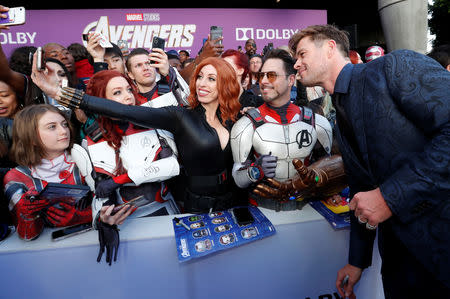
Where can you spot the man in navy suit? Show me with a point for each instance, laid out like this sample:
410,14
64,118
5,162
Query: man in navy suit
393,132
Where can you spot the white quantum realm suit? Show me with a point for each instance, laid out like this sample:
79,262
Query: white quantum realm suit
289,132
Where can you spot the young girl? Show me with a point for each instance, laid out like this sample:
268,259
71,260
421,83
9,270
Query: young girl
44,150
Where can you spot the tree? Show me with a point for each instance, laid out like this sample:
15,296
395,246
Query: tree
439,22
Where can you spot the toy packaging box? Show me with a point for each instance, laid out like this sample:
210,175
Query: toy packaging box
338,215
215,231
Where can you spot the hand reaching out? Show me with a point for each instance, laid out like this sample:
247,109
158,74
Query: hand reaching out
3,10
46,80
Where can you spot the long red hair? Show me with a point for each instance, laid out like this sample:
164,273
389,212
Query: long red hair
227,86
97,87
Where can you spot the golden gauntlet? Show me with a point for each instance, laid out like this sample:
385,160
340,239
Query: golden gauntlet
322,178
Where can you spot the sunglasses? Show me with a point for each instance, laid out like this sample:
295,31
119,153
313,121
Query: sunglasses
271,76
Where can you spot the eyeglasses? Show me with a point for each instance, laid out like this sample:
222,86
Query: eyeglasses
271,76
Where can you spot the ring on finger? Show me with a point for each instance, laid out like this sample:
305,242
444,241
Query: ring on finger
362,221
370,226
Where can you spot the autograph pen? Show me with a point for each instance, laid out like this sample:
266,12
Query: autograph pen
344,281
179,221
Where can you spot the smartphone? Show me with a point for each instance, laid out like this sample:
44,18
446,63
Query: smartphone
40,63
104,42
70,231
158,43
135,202
243,216
15,16
123,45
215,32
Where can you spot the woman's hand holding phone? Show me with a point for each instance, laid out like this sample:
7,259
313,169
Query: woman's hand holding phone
107,215
46,79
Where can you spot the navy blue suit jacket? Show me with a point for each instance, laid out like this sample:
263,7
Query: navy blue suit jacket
399,108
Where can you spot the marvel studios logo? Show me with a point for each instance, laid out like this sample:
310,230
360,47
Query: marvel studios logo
142,17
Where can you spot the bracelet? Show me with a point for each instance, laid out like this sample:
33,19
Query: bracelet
255,173
71,97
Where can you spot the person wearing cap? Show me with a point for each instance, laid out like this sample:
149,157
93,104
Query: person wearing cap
174,59
374,52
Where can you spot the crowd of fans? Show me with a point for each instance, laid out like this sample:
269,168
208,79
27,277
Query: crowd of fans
151,132
30,153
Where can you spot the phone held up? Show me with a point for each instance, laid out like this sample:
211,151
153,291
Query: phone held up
14,16
158,43
104,42
71,231
215,33
40,62
123,45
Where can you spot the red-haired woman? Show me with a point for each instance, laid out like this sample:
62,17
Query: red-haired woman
129,161
240,64
202,131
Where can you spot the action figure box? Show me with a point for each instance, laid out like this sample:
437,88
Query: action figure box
335,210
70,194
203,234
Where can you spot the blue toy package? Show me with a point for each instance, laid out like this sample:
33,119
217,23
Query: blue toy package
203,234
337,214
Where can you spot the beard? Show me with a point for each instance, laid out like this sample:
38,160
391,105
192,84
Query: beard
275,95
313,76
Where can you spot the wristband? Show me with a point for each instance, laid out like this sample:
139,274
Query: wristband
71,97
255,173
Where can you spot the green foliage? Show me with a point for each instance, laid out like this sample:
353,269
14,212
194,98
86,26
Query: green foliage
440,21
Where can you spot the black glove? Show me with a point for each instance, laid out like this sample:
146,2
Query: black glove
105,188
268,164
108,236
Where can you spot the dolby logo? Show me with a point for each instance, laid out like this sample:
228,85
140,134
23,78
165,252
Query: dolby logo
243,34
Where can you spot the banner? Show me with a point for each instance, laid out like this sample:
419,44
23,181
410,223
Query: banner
181,28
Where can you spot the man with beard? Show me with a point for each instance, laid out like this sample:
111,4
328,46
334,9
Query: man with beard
250,47
268,138
393,131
